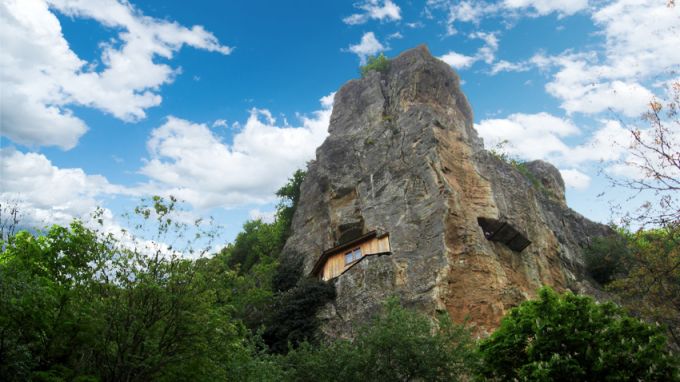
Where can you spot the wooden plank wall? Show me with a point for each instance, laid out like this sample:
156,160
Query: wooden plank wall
335,264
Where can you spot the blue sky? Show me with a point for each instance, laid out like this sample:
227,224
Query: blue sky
105,102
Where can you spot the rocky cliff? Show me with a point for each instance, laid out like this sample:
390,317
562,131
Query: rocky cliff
402,157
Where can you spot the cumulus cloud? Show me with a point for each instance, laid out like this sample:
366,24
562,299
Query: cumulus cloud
641,40
47,194
189,161
639,47
368,46
528,136
42,77
384,10
545,136
457,60
575,179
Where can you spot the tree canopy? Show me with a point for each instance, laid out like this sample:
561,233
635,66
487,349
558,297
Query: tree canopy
573,338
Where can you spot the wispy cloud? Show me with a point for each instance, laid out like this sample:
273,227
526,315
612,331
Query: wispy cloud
382,10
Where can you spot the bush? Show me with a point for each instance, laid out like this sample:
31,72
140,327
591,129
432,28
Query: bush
379,63
293,316
573,338
606,257
399,345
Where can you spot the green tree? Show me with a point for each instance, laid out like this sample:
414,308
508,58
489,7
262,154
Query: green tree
379,63
76,304
293,319
289,196
572,338
650,286
606,258
398,345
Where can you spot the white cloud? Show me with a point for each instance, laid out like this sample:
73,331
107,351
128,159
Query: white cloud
220,123
384,10
368,46
506,66
265,216
575,179
544,136
628,98
640,46
486,53
48,194
464,11
457,60
545,7
528,136
41,76
190,162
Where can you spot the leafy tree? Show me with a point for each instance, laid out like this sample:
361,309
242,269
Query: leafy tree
572,338
257,242
606,258
289,196
76,304
650,287
288,272
399,345
293,315
379,63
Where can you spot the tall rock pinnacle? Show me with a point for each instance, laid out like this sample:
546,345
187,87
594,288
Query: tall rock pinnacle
468,233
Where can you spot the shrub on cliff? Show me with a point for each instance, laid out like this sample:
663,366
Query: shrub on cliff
379,63
572,338
606,257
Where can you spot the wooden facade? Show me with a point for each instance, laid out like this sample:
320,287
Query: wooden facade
337,260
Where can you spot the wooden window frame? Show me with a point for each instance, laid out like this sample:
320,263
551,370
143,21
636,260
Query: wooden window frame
353,255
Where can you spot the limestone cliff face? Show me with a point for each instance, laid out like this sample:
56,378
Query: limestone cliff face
402,157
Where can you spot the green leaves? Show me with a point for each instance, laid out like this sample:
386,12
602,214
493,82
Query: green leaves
398,345
568,337
643,269
379,63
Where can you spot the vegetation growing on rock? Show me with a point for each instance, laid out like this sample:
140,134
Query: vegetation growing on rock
379,63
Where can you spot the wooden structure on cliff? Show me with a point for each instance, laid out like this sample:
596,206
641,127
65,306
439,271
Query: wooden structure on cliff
337,260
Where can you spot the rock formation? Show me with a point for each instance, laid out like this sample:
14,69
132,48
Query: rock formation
402,157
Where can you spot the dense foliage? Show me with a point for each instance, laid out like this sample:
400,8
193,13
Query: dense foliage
379,63
606,257
643,270
77,304
399,345
573,338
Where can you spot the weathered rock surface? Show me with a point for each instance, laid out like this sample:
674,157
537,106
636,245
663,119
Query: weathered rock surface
403,157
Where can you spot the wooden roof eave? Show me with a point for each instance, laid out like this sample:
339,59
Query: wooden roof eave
318,266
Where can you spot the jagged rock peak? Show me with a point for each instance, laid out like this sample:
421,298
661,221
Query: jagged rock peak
468,233
414,78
